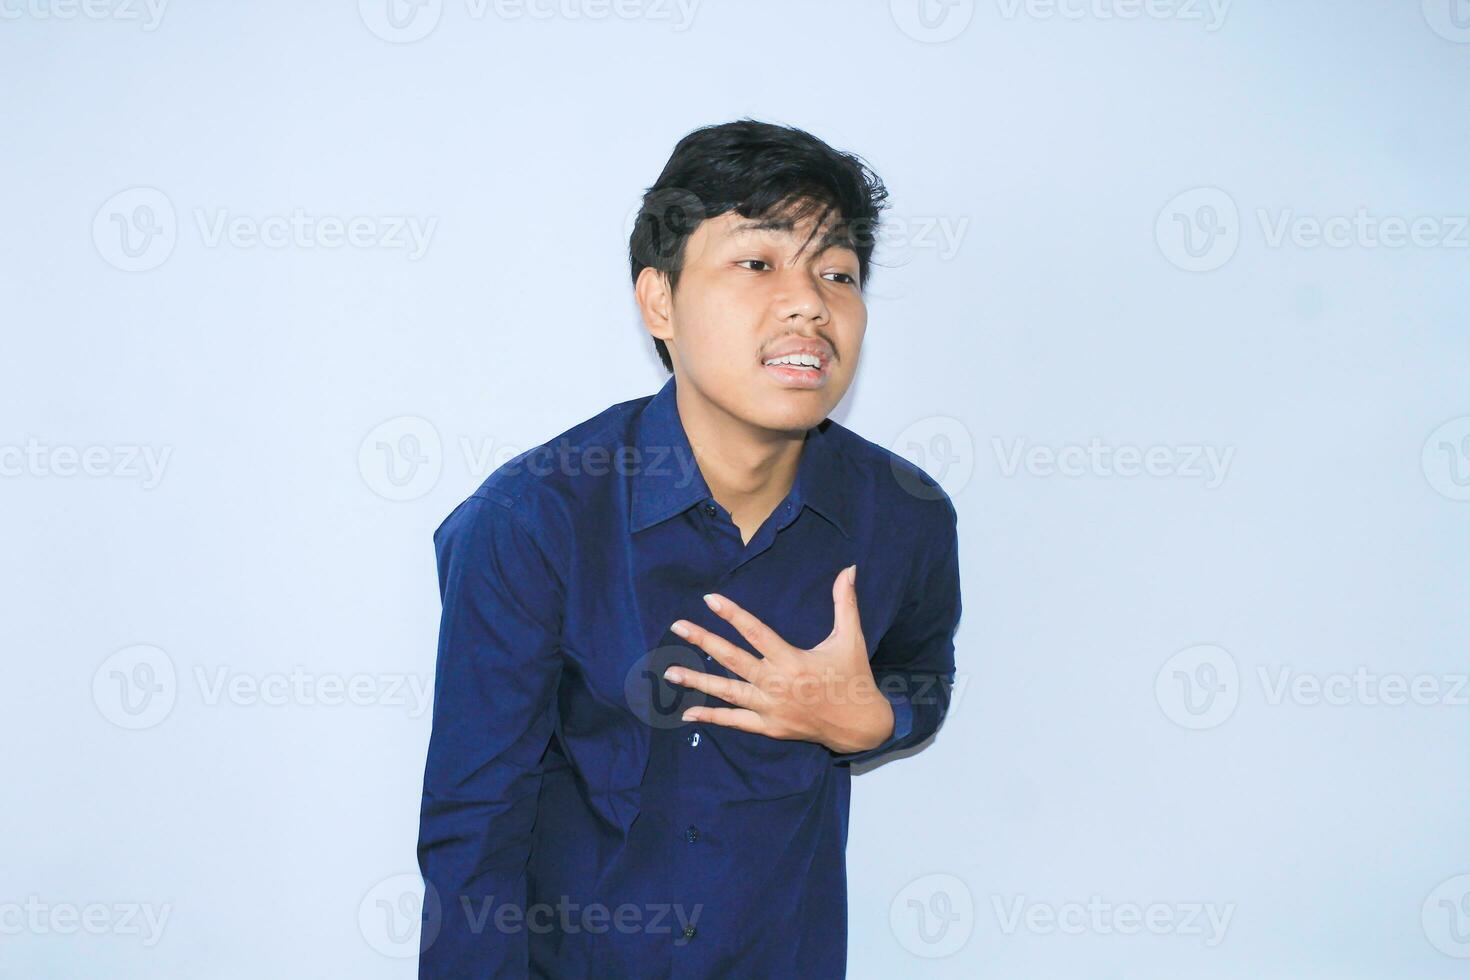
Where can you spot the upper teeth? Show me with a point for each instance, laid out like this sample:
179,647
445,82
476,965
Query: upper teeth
804,360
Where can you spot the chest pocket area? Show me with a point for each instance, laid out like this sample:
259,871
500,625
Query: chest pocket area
771,768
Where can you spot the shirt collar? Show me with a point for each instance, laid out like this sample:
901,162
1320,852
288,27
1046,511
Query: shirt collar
667,480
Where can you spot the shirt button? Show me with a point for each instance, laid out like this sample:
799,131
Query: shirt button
689,932
694,739
709,509
692,834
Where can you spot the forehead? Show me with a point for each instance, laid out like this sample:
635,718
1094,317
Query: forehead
734,227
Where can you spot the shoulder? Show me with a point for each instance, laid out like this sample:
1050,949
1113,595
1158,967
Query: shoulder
907,510
542,487
906,496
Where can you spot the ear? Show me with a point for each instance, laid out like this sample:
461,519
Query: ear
655,302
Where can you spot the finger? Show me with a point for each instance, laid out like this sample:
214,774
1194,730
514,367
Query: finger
727,689
729,656
741,718
756,633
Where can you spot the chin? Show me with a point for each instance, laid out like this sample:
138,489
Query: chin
797,415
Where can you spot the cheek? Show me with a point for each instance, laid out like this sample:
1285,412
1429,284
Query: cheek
719,329
852,325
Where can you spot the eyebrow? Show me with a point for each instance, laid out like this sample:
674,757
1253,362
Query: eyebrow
837,234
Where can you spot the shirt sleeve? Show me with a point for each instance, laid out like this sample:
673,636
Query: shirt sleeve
494,700
913,664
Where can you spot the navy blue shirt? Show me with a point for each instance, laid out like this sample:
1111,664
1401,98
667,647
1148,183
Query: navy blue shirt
572,825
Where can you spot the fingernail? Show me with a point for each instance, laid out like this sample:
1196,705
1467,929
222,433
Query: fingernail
672,674
713,602
687,716
852,575
680,629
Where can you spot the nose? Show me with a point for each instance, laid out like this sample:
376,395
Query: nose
800,299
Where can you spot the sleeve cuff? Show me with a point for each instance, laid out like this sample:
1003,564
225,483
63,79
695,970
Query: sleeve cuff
903,727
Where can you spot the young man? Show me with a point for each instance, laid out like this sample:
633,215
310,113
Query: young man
668,631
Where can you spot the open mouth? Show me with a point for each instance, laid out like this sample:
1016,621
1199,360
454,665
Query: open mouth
798,370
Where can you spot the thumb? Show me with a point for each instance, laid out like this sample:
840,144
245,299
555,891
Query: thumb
845,620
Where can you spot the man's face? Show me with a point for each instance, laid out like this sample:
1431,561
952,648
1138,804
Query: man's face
748,294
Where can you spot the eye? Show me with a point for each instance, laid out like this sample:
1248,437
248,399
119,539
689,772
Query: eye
842,277
760,261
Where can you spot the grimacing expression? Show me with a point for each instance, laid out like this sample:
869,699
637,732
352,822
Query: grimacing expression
748,293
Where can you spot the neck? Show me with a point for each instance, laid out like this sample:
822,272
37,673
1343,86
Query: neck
749,470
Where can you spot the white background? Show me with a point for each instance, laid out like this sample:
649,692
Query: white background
1050,279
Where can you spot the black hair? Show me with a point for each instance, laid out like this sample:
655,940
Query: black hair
759,170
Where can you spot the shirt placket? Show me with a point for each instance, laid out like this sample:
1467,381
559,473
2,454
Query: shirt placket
694,813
